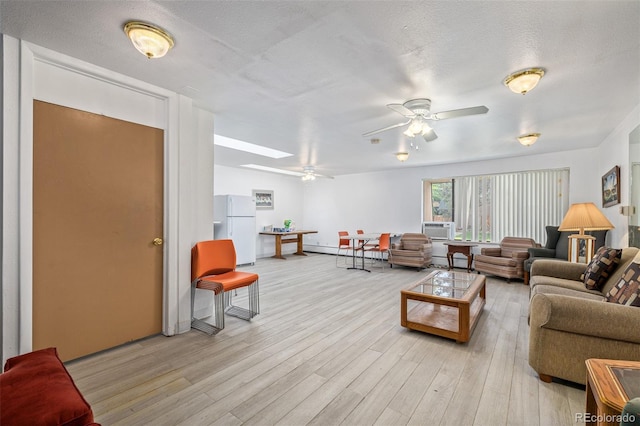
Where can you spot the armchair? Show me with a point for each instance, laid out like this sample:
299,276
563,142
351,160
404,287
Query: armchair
507,260
412,250
557,247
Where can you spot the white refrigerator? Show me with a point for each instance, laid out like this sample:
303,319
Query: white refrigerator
235,218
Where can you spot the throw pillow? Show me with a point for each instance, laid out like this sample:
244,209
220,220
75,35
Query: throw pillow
627,291
600,268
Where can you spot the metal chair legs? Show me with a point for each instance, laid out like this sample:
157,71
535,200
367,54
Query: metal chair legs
218,302
240,312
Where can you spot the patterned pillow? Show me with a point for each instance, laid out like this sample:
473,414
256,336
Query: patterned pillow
627,291
601,266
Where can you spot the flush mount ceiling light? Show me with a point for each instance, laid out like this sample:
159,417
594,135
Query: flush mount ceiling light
151,41
528,139
524,80
402,156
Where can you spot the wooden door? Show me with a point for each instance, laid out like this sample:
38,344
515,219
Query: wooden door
97,207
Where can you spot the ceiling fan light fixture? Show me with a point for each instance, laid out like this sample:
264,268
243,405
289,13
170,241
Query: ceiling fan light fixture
528,139
523,81
402,156
148,39
409,133
416,125
308,177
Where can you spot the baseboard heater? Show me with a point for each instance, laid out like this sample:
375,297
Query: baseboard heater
439,230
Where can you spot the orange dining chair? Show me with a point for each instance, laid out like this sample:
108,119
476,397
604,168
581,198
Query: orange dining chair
362,246
360,242
384,243
213,268
343,244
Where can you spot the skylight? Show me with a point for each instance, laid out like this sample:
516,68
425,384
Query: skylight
248,147
272,169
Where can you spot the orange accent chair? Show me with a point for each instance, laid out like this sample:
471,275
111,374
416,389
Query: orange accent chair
213,268
381,248
343,244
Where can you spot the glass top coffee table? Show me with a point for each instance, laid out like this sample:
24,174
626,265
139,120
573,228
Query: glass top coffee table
444,303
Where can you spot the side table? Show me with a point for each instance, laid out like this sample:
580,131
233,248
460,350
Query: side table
606,395
462,248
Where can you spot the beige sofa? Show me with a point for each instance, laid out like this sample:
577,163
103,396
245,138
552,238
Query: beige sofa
570,324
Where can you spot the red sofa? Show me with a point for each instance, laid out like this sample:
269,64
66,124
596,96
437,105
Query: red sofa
36,389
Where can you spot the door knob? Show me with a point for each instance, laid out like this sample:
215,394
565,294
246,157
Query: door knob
157,241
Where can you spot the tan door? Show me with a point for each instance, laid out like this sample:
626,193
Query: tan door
97,208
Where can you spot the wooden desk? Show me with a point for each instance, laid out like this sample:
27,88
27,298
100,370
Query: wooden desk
280,241
462,248
605,396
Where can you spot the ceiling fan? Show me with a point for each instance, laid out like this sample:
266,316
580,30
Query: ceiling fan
310,174
418,112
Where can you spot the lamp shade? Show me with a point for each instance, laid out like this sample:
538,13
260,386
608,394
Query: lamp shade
584,217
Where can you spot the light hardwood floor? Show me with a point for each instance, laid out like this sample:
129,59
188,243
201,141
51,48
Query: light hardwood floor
328,349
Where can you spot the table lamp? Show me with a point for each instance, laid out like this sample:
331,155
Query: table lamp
583,217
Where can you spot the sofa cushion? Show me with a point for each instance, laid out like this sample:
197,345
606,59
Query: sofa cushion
495,260
600,268
565,291
36,389
412,245
408,253
627,290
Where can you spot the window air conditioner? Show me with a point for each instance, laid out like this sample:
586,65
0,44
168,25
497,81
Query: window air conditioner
439,230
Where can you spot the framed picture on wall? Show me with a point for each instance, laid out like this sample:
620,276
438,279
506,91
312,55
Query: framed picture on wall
610,187
264,199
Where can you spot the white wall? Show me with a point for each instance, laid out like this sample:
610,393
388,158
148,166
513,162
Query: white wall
614,151
392,200
382,201
287,195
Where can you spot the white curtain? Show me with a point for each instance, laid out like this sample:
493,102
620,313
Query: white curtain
491,207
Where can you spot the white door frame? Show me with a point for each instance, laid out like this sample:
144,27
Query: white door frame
167,119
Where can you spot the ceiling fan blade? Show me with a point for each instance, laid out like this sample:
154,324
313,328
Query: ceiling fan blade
430,136
373,132
401,109
443,115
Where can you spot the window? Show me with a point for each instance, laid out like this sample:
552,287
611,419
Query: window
438,201
491,207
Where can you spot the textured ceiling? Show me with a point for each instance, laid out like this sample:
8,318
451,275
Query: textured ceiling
309,77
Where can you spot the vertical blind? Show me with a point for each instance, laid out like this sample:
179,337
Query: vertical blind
491,207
